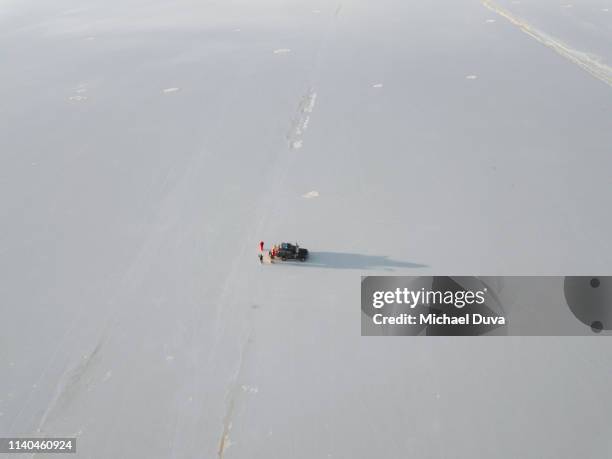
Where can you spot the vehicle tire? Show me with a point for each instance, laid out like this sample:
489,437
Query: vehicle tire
302,259
284,258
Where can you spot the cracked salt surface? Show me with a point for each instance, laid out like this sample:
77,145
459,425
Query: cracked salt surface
169,234
80,90
300,125
250,389
311,195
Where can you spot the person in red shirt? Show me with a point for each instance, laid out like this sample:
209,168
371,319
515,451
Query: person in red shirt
261,246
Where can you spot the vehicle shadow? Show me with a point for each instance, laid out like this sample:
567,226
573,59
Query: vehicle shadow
342,260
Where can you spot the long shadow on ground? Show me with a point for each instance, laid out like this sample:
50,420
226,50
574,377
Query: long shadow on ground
341,260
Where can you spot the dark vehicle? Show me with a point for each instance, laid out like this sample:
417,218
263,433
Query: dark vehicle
288,251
